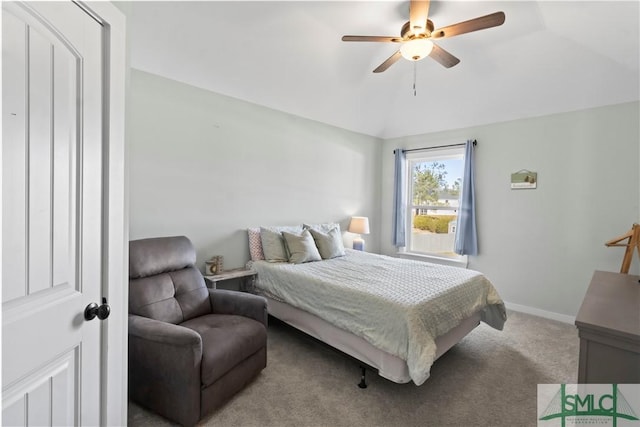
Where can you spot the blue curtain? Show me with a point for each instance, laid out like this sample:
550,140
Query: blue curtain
399,200
466,233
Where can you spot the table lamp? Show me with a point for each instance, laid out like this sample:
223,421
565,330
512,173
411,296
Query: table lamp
359,225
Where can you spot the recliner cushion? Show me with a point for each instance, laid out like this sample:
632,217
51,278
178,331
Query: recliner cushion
227,340
163,282
191,292
154,297
156,255
171,297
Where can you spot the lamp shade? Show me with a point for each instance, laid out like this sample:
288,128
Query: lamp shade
359,225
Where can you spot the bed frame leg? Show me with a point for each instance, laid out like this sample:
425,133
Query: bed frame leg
363,382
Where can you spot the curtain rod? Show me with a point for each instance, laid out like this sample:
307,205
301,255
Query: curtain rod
439,146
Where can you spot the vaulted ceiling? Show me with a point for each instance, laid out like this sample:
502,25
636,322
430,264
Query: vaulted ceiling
547,57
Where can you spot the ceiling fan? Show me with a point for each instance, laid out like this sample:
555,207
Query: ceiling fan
417,35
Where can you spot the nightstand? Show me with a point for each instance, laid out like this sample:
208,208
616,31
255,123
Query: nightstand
247,278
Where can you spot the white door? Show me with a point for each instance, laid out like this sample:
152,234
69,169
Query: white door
52,214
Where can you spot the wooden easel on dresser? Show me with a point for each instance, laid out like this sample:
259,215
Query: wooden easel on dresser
633,243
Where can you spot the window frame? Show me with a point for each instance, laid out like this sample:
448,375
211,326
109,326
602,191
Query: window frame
429,155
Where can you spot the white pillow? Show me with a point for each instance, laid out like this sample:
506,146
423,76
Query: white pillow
329,244
325,227
273,244
301,247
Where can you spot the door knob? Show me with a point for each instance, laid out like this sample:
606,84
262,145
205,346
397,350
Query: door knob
95,310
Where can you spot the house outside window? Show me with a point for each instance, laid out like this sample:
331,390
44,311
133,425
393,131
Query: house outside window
434,186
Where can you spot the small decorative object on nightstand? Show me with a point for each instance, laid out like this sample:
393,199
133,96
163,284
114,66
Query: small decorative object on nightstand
213,266
359,225
247,278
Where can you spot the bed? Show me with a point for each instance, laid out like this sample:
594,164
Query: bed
394,315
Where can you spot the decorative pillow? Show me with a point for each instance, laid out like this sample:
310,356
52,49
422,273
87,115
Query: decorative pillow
255,244
329,244
273,244
325,227
301,247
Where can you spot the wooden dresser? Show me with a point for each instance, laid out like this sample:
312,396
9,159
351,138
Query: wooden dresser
609,328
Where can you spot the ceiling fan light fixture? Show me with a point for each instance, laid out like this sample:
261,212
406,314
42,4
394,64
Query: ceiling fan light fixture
416,49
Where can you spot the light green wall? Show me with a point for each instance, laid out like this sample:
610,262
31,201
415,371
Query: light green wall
540,247
208,166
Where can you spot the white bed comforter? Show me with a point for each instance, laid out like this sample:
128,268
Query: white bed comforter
398,305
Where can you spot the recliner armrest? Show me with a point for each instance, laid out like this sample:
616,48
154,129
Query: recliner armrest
163,332
240,303
165,367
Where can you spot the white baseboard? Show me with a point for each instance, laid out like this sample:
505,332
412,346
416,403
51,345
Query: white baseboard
542,313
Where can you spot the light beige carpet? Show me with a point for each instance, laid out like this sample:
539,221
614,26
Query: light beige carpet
488,379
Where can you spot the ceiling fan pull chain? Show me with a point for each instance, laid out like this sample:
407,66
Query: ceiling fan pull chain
414,77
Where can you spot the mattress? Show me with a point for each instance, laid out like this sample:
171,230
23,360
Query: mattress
397,305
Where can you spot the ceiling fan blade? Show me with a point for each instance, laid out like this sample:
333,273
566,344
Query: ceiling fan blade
388,63
418,13
371,39
443,57
488,21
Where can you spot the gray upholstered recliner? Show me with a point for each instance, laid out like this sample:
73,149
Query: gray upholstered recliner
190,347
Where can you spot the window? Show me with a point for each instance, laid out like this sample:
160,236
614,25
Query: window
434,186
